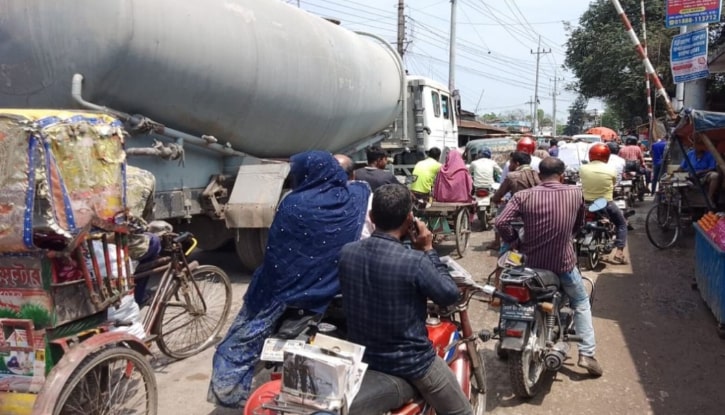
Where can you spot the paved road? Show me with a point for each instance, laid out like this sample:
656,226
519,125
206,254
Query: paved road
656,338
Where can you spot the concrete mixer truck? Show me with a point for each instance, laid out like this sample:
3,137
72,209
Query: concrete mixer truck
217,95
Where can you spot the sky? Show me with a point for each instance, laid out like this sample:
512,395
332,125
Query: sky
495,46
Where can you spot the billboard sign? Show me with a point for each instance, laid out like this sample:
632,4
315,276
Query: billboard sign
690,12
688,56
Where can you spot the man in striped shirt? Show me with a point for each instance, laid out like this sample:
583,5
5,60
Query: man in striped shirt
551,213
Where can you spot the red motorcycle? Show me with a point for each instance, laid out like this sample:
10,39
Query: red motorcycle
450,332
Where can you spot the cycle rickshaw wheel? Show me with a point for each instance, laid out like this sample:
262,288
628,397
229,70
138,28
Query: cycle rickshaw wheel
111,380
663,225
192,317
463,231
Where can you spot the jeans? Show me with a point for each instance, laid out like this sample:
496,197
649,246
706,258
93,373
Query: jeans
381,393
617,217
441,390
656,170
574,287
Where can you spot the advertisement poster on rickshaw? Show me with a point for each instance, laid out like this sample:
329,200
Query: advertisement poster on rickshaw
22,356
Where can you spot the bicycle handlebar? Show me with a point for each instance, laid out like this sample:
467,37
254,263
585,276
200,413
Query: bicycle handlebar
183,237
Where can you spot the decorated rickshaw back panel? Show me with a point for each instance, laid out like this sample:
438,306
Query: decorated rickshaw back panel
62,183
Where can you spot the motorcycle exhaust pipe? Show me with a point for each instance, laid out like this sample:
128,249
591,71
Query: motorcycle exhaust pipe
554,358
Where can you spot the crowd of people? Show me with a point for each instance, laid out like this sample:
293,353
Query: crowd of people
342,231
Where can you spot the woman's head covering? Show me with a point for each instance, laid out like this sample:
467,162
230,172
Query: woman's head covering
453,182
322,213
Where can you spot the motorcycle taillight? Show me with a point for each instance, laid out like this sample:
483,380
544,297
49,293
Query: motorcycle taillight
481,192
591,216
517,291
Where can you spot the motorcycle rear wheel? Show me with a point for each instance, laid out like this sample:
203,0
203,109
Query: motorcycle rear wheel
593,256
662,225
525,368
483,220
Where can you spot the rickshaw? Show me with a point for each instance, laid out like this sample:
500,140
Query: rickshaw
448,219
64,260
680,200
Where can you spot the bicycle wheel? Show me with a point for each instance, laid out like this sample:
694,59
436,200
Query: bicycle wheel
116,380
662,225
194,312
463,231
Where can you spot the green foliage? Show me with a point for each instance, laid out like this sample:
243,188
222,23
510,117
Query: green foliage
577,116
38,314
610,119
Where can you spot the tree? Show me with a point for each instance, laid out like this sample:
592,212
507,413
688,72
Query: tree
489,118
610,119
602,57
577,116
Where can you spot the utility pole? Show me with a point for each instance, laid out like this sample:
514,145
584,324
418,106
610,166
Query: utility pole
553,96
531,111
452,50
401,28
538,53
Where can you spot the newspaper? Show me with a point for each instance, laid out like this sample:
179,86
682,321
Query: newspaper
325,375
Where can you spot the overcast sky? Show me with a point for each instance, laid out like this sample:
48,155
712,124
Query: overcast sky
495,67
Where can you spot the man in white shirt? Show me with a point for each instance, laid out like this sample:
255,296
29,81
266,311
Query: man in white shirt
616,161
484,170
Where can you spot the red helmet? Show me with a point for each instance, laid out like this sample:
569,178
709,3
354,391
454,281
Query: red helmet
599,152
527,145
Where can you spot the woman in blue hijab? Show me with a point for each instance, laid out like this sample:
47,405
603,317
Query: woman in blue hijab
322,213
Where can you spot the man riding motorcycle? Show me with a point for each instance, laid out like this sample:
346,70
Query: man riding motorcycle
484,170
381,278
551,212
634,157
598,179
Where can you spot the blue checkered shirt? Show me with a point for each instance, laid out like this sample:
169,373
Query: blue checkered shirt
385,288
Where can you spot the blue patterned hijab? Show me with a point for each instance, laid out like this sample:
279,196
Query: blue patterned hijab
322,213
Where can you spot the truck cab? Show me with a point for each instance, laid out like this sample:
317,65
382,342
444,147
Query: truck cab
430,118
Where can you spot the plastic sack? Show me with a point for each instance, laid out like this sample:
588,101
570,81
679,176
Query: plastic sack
127,312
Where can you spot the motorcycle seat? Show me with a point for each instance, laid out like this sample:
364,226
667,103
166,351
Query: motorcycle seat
547,278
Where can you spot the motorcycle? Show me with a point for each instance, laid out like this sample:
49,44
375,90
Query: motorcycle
450,332
633,173
535,325
623,191
571,176
596,237
485,210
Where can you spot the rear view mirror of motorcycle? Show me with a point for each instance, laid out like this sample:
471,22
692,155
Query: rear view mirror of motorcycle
598,205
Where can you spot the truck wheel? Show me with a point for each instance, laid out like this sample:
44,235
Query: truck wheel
210,234
250,244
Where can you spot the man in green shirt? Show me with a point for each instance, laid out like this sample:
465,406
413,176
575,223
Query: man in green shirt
425,172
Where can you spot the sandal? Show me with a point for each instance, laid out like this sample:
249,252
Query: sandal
619,260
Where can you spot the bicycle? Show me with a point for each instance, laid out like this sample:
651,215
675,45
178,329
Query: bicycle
192,301
670,215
